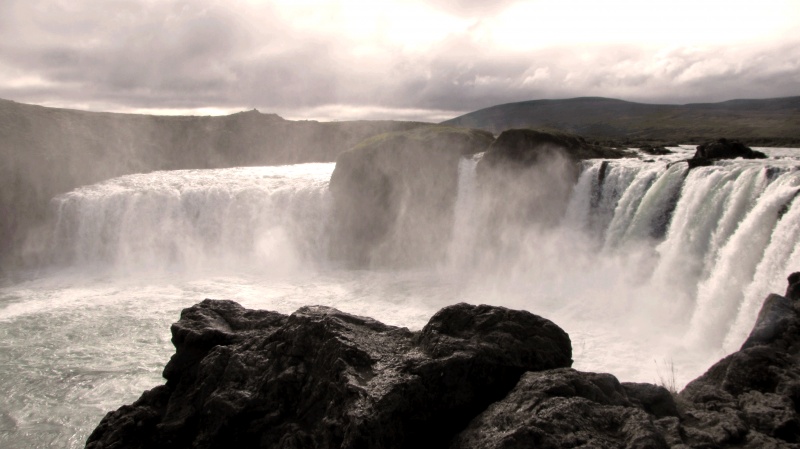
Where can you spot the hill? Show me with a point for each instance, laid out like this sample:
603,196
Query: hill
47,151
758,122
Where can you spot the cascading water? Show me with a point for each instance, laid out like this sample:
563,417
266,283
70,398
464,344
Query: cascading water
265,217
651,265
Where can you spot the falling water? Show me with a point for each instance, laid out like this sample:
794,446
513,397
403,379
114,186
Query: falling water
652,264
267,217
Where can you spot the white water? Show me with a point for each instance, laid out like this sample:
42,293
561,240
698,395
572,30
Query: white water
636,296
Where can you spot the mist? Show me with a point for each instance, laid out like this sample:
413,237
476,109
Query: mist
650,267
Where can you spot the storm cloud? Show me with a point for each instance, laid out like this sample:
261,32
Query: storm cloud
405,60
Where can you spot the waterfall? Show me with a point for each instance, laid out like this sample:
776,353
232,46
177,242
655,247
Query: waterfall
268,217
702,246
708,244
459,249
640,260
729,236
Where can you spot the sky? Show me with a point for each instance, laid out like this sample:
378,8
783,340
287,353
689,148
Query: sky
403,60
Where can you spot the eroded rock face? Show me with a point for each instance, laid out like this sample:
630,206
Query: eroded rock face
527,147
322,378
393,196
527,176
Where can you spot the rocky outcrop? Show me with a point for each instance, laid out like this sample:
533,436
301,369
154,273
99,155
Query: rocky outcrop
751,398
726,149
325,379
527,176
654,150
708,152
473,377
527,147
393,195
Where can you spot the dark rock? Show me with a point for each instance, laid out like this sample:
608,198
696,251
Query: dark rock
394,194
533,173
699,162
655,400
322,378
793,290
563,408
773,320
752,396
725,149
509,337
654,150
473,377
708,152
527,147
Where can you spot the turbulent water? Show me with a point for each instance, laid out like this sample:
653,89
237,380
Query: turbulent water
655,271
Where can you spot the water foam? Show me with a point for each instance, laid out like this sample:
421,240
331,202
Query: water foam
649,264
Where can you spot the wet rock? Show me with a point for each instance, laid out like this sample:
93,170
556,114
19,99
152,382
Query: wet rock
657,150
708,152
527,147
393,195
322,378
699,162
533,172
726,149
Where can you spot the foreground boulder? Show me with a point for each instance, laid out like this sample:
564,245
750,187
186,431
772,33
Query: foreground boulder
393,195
320,378
473,377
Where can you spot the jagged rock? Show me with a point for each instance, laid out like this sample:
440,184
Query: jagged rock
774,319
473,377
563,408
393,195
752,396
322,378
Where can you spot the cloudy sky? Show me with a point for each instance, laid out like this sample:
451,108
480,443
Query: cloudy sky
423,60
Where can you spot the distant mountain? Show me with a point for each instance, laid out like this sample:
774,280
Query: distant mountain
47,151
770,121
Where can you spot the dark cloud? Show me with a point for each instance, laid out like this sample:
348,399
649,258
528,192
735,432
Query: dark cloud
206,53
